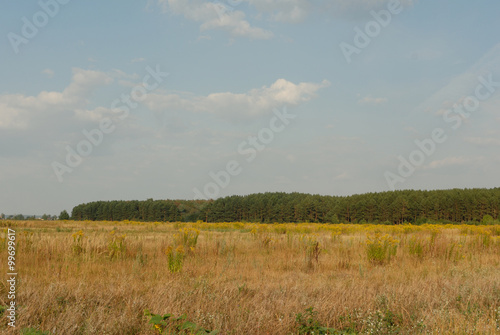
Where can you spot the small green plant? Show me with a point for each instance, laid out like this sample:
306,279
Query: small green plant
380,248
485,238
435,232
454,252
308,325
33,331
175,258
141,259
312,253
416,247
188,237
243,289
312,250
116,245
172,325
497,318
78,242
382,322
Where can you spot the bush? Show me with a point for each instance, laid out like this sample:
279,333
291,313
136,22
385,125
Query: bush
116,245
487,219
170,324
175,258
308,325
187,237
380,248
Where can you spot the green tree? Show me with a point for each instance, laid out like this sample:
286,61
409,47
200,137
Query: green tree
64,215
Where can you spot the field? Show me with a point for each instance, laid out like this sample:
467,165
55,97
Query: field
77,277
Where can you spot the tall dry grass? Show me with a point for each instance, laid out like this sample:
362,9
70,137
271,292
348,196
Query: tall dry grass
99,277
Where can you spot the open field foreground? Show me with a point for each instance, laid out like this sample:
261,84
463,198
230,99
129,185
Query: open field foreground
81,277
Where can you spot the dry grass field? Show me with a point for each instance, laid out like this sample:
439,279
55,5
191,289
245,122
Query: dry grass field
241,278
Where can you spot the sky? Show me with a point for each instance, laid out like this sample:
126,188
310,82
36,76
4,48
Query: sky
185,99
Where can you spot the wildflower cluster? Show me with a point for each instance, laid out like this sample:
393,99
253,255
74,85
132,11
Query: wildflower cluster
187,237
185,241
380,248
116,245
175,258
78,242
170,324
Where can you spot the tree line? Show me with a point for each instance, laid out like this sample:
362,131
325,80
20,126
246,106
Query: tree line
149,210
395,207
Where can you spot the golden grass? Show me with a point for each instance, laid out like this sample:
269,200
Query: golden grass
239,278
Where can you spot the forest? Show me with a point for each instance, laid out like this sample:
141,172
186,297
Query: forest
149,210
394,207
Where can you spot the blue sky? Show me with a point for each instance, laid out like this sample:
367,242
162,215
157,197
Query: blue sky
233,66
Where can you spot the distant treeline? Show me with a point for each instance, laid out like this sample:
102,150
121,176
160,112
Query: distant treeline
149,210
456,205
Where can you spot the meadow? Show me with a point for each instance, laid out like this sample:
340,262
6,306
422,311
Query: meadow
87,277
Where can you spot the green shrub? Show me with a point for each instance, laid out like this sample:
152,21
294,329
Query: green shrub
172,325
416,247
116,245
380,248
175,258
33,331
308,325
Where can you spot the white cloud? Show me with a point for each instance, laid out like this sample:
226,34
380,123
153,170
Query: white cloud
357,8
239,105
96,114
291,11
12,117
229,16
48,72
296,11
369,100
125,79
213,15
19,111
